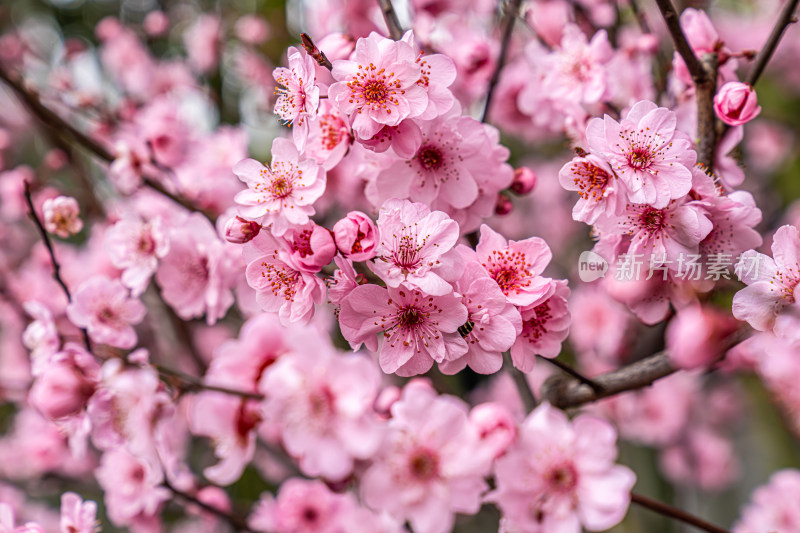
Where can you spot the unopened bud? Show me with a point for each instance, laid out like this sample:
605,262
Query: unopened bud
524,181
239,230
504,205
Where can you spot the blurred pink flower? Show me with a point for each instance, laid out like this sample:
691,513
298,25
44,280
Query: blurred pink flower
105,308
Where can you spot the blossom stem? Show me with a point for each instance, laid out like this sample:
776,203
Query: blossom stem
785,18
390,16
675,513
56,266
237,523
574,373
34,105
521,382
508,26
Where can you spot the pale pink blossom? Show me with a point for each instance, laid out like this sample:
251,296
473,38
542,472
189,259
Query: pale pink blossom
132,160
282,195
429,469
345,279
412,242
418,329
61,216
78,516
516,266
356,236
437,74
601,191
646,151
576,70
703,459
736,103
156,23
40,336
298,95
496,427
66,383
135,246
773,506
203,40
379,85
301,506
326,138
252,29
561,476
771,281
107,311
545,325
695,335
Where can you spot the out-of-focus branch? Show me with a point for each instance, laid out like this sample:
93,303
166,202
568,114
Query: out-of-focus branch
187,383
390,16
572,372
510,16
235,521
675,513
49,245
785,18
32,102
696,69
520,381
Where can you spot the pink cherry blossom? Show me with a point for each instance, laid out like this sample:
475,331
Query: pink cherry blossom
66,384
135,246
695,335
770,281
736,103
560,475
301,506
78,516
703,458
418,329
428,470
545,325
516,266
601,191
379,86
437,74
326,137
105,308
651,157
282,195
298,96
412,242
344,280
356,236
203,42
772,506
61,216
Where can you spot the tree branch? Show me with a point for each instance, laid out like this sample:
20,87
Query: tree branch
512,9
696,69
390,16
675,513
786,17
521,382
572,372
706,117
236,522
56,266
188,383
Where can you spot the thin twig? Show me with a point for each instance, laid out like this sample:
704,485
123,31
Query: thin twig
521,382
508,26
784,19
314,51
572,372
696,69
236,522
390,16
49,245
188,383
31,100
675,513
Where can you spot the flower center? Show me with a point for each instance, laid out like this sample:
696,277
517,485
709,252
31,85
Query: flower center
563,478
281,187
430,157
640,158
591,180
410,317
535,327
651,220
423,464
332,130
375,92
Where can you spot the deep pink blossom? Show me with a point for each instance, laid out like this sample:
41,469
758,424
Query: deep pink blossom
561,476
66,383
695,335
736,103
418,329
379,86
107,311
356,236
283,194
545,325
429,469
239,230
412,242
647,152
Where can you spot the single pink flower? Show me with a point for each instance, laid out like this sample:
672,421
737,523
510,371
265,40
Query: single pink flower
412,242
203,41
135,246
524,181
105,308
545,325
309,247
78,516
600,191
418,329
379,86
356,236
298,96
560,475
61,216
736,103
429,468
301,506
282,195
66,384
647,152
516,266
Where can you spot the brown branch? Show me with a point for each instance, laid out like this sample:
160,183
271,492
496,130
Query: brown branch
675,513
696,69
56,266
521,382
784,19
572,372
389,15
706,117
187,383
508,26
315,53
32,102
236,522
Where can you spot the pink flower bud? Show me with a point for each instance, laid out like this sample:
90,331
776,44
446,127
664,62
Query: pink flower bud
356,236
312,247
524,181
695,335
62,390
61,216
736,103
504,205
239,230
156,23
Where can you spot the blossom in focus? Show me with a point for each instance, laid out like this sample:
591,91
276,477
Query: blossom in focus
736,103
298,96
356,236
61,216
